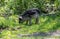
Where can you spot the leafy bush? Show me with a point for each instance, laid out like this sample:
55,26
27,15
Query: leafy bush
3,22
13,21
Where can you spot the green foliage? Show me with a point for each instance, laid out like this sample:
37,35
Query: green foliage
12,21
2,22
10,9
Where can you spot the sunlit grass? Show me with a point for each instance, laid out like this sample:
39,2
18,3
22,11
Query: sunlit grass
46,24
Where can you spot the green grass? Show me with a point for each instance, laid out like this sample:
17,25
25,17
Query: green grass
9,26
46,24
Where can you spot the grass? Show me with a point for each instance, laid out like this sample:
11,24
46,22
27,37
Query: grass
46,24
10,28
